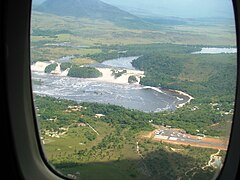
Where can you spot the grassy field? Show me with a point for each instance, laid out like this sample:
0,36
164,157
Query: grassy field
90,32
54,53
116,151
157,159
198,68
47,29
81,61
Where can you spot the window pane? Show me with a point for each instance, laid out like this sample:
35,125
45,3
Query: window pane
128,89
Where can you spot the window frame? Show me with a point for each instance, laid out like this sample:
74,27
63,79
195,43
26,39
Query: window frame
231,164
30,157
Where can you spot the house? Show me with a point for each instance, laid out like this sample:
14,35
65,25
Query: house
99,115
81,124
202,135
71,176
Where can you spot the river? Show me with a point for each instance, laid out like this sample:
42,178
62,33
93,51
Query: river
133,96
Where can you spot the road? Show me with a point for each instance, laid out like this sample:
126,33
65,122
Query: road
92,128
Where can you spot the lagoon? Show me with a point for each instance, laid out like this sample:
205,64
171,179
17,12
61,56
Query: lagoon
215,50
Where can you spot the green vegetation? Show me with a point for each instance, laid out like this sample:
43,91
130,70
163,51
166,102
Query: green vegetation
65,65
112,152
192,118
209,79
158,69
50,68
114,51
85,36
70,142
84,72
82,61
104,55
118,73
203,76
51,34
106,12
132,79
90,136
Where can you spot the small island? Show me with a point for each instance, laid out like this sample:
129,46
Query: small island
84,72
132,79
51,67
118,73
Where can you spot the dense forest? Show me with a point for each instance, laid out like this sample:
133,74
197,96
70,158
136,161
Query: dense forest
84,72
50,68
132,79
203,76
65,65
118,73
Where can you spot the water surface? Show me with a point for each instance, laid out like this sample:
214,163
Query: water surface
133,96
207,50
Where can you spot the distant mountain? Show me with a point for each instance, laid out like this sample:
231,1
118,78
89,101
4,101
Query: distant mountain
95,9
176,8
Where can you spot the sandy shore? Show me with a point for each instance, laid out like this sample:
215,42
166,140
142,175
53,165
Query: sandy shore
184,94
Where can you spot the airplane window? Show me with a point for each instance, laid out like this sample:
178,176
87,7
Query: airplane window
129,89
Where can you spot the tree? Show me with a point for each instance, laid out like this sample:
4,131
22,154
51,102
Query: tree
132,79
50,68
84,72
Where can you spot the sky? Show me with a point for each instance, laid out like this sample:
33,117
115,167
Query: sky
177,8
37,2
173,8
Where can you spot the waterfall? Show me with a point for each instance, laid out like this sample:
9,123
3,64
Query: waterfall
39,66
65,73
57,69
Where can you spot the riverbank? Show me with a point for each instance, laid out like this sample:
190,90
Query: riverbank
123,79
177,92
186,95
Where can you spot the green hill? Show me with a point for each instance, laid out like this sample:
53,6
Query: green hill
93,9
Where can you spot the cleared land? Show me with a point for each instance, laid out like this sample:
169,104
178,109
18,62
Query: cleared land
177,136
